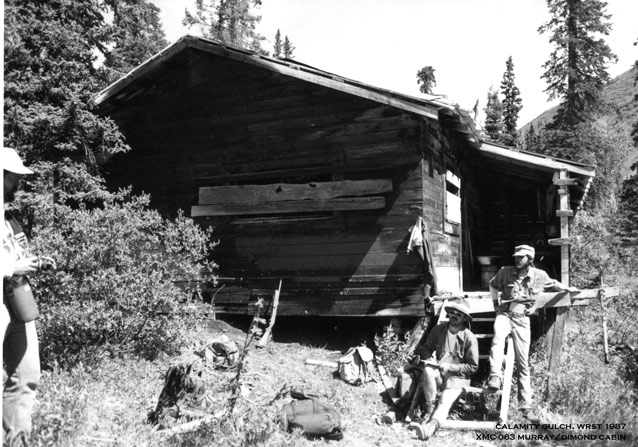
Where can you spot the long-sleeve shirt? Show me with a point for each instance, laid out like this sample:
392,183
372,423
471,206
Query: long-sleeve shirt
464,357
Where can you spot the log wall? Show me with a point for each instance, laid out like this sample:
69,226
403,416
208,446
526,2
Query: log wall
215,122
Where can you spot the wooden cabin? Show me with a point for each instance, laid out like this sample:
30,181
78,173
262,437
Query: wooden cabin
318,180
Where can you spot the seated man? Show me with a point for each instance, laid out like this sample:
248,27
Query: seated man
451,356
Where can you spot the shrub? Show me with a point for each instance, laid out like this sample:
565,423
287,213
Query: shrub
114,290
391,349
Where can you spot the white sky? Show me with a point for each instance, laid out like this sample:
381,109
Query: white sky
385,42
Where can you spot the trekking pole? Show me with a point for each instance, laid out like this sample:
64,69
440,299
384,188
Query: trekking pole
601,294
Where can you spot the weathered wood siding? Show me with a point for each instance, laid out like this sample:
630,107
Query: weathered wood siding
216,122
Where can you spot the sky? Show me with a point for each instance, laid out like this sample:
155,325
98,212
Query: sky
385,42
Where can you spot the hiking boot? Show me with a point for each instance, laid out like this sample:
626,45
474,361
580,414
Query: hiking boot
425,431
529,415
428,409
389,418
494,383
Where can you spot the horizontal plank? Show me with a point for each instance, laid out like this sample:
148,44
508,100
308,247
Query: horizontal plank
292,173
346,262
481,302
468,425
565,181
297,206
564,240
278,192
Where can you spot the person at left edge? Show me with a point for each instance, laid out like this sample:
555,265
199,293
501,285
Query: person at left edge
20,350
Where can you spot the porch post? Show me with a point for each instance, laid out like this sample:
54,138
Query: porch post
557,329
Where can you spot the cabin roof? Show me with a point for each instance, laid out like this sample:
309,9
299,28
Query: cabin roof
131,84
516,162
526,164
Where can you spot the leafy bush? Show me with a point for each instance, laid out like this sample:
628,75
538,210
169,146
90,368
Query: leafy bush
391,349
114,291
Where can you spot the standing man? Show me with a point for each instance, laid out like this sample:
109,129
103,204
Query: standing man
20,349
451,356
514,291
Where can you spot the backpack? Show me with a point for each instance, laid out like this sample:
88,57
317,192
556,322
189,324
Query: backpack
356,365
315,418
183,389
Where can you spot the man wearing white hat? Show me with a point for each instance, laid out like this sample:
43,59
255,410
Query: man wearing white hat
451,356
20,349
514,290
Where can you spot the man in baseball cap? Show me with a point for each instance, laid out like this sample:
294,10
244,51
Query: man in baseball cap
514,291
18,312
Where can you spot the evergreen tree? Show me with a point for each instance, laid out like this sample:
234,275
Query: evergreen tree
51,77
426,79
232,22
493,115
530,140
278,45
137,34
634,132
512,103
628,221
288,49
576,70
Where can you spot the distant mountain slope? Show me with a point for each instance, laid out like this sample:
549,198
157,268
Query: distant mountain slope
620,93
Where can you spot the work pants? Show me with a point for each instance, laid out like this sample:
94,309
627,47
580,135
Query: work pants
21,373
518,326
432,382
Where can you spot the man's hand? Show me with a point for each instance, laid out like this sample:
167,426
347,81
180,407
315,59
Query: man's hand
444,368
46,263
25,266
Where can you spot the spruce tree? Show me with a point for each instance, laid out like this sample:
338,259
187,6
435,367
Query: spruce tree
232,22
512,103
288,49
577,68
278,45
51,76
137,34
426,79
493,115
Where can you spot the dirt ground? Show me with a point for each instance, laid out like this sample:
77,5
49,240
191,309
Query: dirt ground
283,362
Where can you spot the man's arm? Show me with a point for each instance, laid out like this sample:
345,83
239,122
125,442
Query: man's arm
550,284
495,289
429,347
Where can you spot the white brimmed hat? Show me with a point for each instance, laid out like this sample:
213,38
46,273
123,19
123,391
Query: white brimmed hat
524,250
12,162
462,306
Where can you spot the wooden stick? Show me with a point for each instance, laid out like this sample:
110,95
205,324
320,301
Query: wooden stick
322,363
415,399
507,380
192,425
603,306
387,383
468,425
263,341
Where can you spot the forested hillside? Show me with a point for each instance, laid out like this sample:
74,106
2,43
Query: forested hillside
619,95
